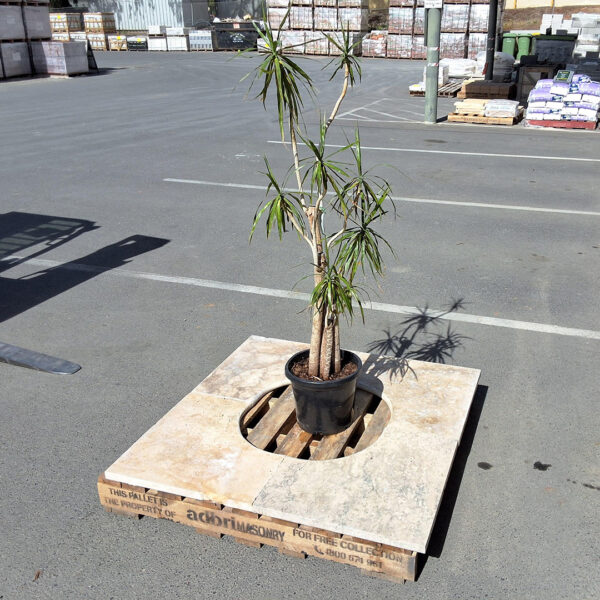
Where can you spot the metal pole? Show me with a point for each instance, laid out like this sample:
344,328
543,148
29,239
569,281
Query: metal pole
491,40
433,18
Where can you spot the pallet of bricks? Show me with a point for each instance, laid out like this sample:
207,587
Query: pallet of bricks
464,27
311,24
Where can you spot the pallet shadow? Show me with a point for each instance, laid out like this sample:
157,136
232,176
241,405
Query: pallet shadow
442,523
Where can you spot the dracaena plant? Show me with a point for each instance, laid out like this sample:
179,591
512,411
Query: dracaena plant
322,182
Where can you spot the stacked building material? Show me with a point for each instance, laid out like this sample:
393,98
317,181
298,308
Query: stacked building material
588,36
464,28
178,39
31,50
310,24
116,42
569,103
157,38
375,44
20,24
58,58
97,26
65,23
200,40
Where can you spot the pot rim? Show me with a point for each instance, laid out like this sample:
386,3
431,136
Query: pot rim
322,384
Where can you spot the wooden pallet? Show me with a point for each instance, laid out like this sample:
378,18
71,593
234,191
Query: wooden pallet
271,425
564,124
481,120
251,529
448,90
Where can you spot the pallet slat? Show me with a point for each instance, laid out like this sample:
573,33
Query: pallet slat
270,426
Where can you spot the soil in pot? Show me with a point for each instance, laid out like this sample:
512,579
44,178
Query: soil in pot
300,369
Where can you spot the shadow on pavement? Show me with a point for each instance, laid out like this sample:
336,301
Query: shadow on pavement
21,231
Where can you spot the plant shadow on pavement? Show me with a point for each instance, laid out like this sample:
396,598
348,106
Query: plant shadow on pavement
419,338
37,234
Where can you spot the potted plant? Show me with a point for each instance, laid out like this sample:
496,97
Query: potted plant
331,184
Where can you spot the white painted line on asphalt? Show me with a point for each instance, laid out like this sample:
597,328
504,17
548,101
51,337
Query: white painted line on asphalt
263,188
456,152
348,112
275,293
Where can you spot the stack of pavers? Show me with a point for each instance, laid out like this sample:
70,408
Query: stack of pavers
64,25
588,37
27,47
157,38
309,23
464,28
97,26
21,25
573,104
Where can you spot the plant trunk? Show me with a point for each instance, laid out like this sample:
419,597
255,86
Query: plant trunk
318,319
337,354
327,345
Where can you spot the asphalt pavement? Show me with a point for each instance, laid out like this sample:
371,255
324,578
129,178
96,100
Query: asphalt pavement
126,201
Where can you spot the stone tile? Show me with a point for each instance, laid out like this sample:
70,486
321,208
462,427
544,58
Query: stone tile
389,493
255,367
197,450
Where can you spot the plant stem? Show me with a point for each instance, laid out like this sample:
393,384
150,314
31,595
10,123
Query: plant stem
296,160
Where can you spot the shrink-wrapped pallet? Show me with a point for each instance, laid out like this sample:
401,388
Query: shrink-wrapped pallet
316,43
301,17
403,3
61,36
325,18
478,18
399,46
202,40
375,44
419,24
401,20
418,47
477,44
276,18
353,19
455,18
292,42
453,45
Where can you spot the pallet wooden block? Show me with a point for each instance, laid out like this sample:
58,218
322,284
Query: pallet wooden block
230,459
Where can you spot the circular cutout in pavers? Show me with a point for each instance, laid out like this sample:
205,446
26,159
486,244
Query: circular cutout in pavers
270,425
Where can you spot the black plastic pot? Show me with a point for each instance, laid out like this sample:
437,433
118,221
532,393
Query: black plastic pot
324,407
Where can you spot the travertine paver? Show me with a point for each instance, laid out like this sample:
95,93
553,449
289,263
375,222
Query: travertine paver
388,493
